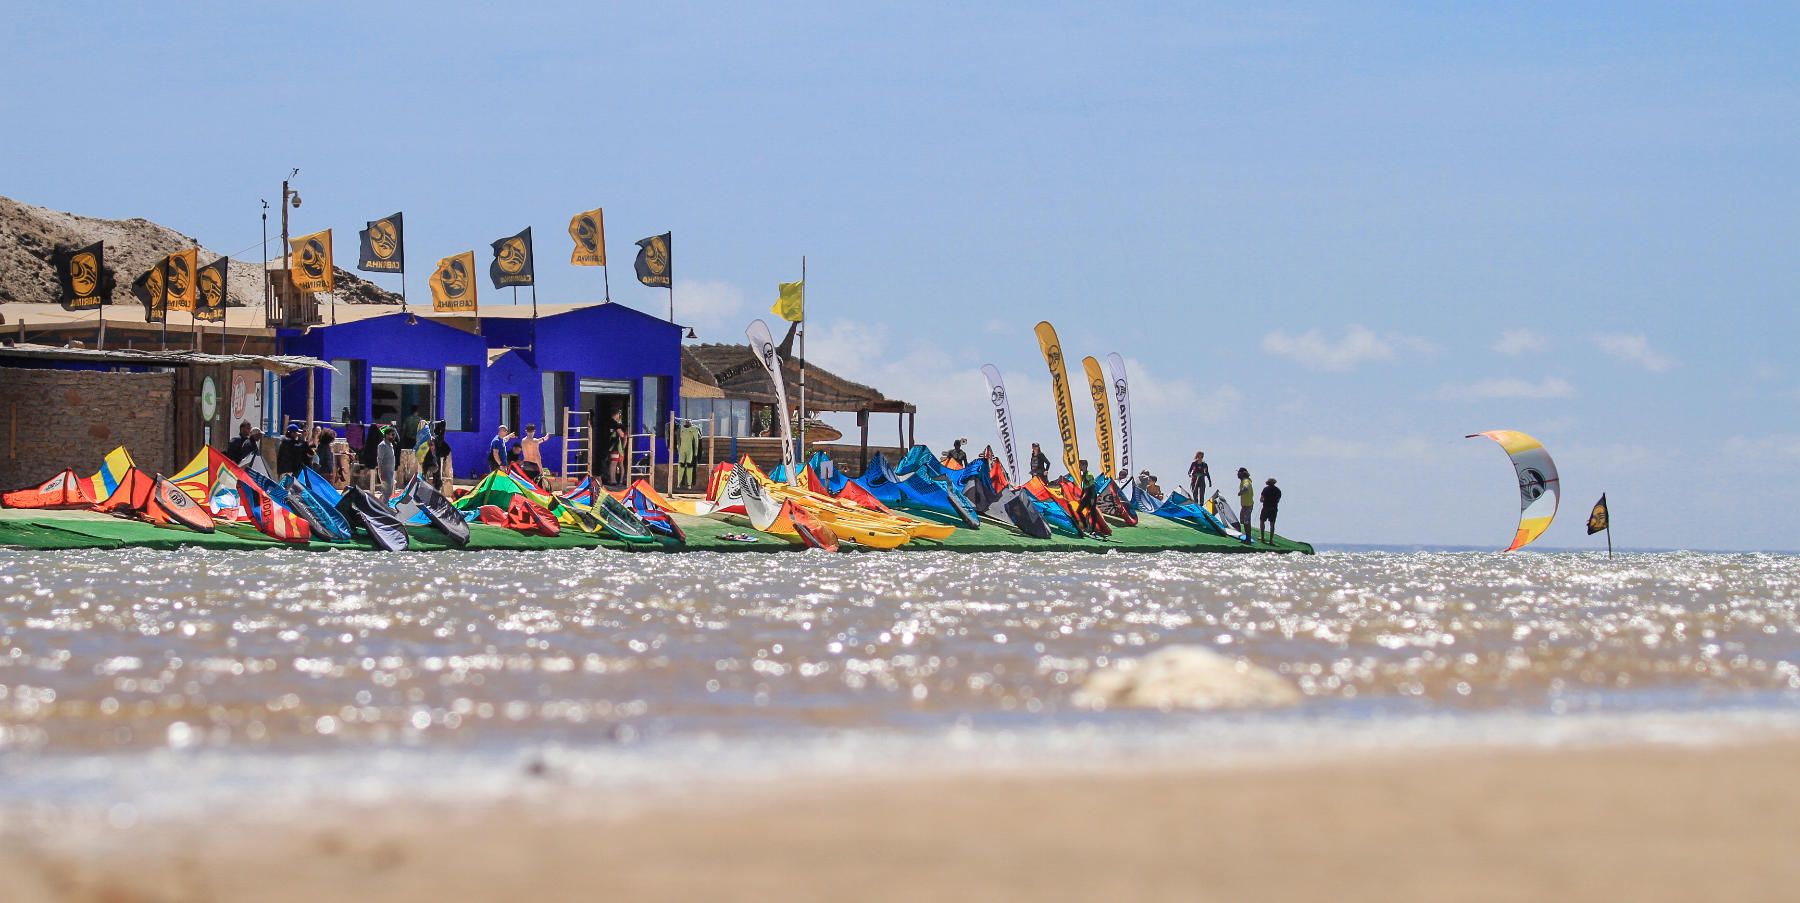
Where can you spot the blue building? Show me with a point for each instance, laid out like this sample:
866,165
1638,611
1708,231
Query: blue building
502,366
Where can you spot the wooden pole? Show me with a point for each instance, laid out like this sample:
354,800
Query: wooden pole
800,454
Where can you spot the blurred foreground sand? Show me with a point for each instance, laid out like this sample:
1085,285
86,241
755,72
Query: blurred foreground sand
1616,824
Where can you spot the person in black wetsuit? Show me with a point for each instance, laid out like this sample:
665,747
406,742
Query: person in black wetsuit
1199,475
294,453
1271,501
956,453
1039,465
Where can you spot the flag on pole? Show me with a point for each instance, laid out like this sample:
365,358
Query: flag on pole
178,280
313,271
791,305
149,289
82,277
589,231
209,286
453,284
1600,518
512,260
383,246
655,264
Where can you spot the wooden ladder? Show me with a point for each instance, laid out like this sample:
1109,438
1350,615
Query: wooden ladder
639,463
577,445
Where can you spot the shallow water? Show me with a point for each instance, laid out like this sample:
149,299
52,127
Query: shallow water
239,656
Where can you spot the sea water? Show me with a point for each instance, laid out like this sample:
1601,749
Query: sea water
140,684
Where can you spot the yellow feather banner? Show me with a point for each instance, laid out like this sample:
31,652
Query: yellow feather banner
1059,391
1102,394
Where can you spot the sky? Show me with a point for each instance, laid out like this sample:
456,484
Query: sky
1329,239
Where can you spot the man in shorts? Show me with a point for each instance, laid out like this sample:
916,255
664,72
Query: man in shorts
1271,503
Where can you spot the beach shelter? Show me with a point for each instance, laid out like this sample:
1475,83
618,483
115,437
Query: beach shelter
65,490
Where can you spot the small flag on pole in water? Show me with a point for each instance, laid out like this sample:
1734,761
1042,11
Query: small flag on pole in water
655,265
791,303
1601,519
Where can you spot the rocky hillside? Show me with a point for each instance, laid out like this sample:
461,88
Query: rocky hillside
28,234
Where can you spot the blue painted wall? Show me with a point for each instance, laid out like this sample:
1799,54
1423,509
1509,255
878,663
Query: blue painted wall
607,341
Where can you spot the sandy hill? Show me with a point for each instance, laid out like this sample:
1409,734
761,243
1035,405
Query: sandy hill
29,234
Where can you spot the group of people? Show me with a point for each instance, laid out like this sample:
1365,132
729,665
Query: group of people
379,459
1199,479
507,449
1200,476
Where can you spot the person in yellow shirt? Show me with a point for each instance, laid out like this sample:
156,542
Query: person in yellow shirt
1246,498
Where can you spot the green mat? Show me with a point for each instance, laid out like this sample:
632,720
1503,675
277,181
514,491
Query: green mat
88,530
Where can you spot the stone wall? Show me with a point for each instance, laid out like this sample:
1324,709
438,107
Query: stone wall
52,419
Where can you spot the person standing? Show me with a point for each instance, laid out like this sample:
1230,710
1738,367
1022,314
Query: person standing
409,428
1087,511
1039,464
616,443
956,455
293,453
241,446
531,461
499,449
385,459
1199,475
1246,499
435,465
1271,504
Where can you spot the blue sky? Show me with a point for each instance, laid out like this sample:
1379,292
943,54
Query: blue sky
1330,239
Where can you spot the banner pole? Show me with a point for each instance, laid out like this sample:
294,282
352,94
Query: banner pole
533,296
800,453
100,339
1609,535
606,280
403,288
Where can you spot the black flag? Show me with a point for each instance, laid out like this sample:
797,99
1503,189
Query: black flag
512,260
1600,518
82,277
383,246
210,296
655,266
151,290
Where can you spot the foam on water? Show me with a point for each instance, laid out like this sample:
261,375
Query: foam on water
163,681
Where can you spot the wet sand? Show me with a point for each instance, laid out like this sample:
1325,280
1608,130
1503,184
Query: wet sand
1655,823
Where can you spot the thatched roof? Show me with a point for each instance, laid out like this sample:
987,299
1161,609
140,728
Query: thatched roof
734,368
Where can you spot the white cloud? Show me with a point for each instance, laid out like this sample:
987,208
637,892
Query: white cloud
1515,342
1764,448
1507,387
1633,348
712,307
1360,345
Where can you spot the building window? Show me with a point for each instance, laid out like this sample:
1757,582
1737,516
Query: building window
655,418
556,397
509,412
723,417
459,399
346,391
396,392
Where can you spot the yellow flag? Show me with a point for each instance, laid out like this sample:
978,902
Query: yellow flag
453,283
1059,393
1102,394
792,304
589,231
313,271
180,280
